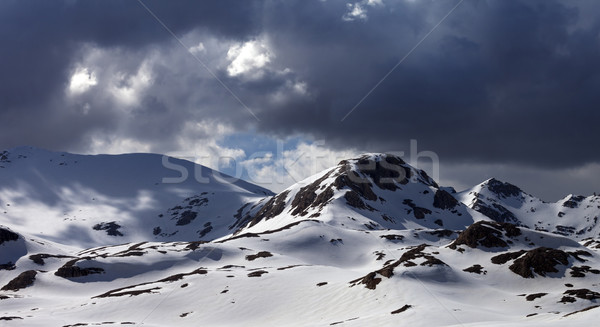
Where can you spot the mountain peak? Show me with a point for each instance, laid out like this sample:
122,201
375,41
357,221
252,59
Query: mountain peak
384,170
373,191
502,189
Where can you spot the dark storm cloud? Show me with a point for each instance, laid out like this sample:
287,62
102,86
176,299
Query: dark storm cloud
498,81
41,40
510,81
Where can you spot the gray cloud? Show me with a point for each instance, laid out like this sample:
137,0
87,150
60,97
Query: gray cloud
42,41
512,82
500,81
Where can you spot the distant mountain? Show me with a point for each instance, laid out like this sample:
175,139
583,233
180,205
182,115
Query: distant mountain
372,241
575,216
87,200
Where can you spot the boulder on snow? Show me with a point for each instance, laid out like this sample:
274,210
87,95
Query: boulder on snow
25,279
486,234
7,235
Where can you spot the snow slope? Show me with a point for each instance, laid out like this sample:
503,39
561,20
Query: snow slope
369,242
110,199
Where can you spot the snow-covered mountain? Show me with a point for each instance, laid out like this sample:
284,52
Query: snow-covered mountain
372,192
575,216
369,242
89,201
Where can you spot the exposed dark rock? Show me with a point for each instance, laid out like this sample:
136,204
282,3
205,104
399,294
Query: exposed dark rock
111,228
207,229
432,261
371,280
444,200
380,255
130,293
404,308
486,234
582,310
354,200
541,261
130,254
349,178
176,277
580,271
496,212
307,197
39,258
418,212
321,284
502,189
269,231
510,230
564,230
197,201
232,266
388,218
476,269
289,267
567,299
257,273
583,293
25,279
186,218
386,172
392,237
532,297
272,208
577,255
70,270
506,257
7,236
336,241
7,266
261,254
241,218
573,201
122,291
323,198
75,271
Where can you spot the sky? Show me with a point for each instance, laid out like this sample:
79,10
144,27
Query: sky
275,91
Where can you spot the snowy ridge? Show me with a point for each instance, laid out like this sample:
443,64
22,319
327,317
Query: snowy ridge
110,199
375,191
575,216
369,242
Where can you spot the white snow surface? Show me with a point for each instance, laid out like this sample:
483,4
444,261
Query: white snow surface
298,258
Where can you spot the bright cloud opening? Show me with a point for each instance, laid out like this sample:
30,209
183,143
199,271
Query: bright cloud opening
248,59
82,80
